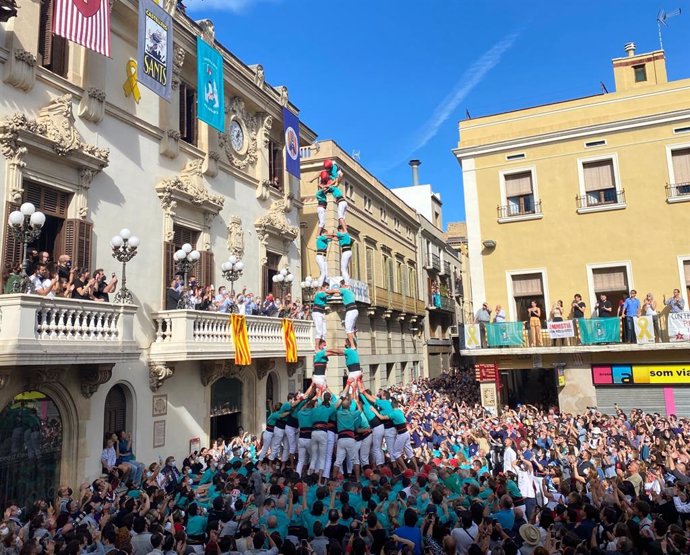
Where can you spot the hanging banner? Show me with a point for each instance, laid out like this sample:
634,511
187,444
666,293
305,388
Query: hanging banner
291,128
154,54
240,338
86,22
210,96
505,334
472,336
599,330
290,340
644,329
678,327
561,330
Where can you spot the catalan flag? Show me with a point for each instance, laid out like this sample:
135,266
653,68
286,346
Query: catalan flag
240,338
290,341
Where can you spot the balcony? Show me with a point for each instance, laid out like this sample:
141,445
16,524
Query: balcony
446,269
36,330
519,212
183,335
397,302
442,302
432,262
677,192
599,201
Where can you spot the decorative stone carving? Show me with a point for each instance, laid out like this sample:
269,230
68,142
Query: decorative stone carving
21,69
236,236
170,143
210,167
208,30
170,6
92,105
266,128
259,75
92,377
189,187
212,371
264,366
178,62
38,377
158,373
263,190
294,367
236,108
15,154
86,176
275,223
283,96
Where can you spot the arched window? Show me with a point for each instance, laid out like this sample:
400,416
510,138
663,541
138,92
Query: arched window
115,417
30,449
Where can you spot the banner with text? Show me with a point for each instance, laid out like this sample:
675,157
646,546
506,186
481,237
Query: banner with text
154,54
561,330
679,327
505,334
472,336
599,330
640,374
210,95
644,329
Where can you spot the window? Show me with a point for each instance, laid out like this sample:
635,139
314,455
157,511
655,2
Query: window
275,165
383,214
599,184
399,277
188,129
396,223
519,193
612,281
681,130
370,268
680,180
354,261
181,235
270,269
349,190
367,203
640,73
52,49
528,288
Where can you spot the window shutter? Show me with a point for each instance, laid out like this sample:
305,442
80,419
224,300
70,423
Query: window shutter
610,279
370,269
528,285
206,268
686,269
46,32
681,165
13,248
75,240
599,175
518,184
46,199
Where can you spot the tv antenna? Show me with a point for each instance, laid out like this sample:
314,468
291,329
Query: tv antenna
661,19
356,155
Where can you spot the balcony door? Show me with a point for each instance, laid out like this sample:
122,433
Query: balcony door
271,268
528,288
613,282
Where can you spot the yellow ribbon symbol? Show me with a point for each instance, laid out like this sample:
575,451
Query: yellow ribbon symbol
472,338
131,86
643,325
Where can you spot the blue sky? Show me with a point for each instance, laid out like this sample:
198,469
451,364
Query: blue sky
392,79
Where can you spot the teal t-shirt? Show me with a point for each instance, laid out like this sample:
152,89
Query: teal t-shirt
348,296
385,406
321,197
321,413
348,420
322,242
344,238
320,299
305,418
351,356
321,356
273,418
196,525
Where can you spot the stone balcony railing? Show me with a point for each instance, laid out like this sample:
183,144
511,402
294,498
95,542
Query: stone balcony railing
196,335
37,330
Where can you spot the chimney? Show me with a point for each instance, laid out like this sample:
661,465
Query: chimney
630,49
414,164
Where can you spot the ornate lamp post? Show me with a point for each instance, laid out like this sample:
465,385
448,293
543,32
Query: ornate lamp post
26,225
124,248
185,259
232,270
309,286
284,279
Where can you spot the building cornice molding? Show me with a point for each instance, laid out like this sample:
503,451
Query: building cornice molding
188,187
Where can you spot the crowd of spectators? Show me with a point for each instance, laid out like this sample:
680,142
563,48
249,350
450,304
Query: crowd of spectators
530,481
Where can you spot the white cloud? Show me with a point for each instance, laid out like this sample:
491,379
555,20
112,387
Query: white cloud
469,80
236,6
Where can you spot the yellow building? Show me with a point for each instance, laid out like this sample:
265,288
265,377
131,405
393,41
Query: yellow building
383,269
585,196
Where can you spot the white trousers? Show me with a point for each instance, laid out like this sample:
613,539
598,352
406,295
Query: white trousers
390,435
319,442
402,446
267,439
342,208
328,459
292,437
345,265
278,437
365,450
347,451
321,213
377,444
323,267
319,319
304,445
351,320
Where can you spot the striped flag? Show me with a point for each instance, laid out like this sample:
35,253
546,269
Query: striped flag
290,341
240,338
86,22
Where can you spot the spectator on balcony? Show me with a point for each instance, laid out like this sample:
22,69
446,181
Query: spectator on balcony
41,284
604,308
84,285
102,289
499,314
675,303
435,297
631,309
172,297
269,307
649,309
253,305
205,296
12,275
64,266
37,258
557,316
578,306
483,317
534,313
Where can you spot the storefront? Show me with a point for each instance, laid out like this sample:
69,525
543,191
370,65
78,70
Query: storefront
662,388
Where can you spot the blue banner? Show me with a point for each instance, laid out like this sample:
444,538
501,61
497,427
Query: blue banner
210,104
154,55
291,128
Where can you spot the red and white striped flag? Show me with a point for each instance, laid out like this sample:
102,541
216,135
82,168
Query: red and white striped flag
86,22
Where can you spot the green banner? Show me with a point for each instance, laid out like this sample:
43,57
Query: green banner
505,334
599,330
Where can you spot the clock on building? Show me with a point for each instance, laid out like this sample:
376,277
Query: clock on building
237,137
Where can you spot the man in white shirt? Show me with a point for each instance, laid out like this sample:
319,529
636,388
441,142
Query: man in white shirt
41,284
499,315
108,457
509,455
466,534
526,482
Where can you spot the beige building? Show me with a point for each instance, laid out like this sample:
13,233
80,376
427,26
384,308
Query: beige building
94,161
586,196
456,237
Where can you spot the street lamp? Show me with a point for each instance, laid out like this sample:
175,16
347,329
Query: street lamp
185,259
124,248
26,225
309,286
232,270
284,279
